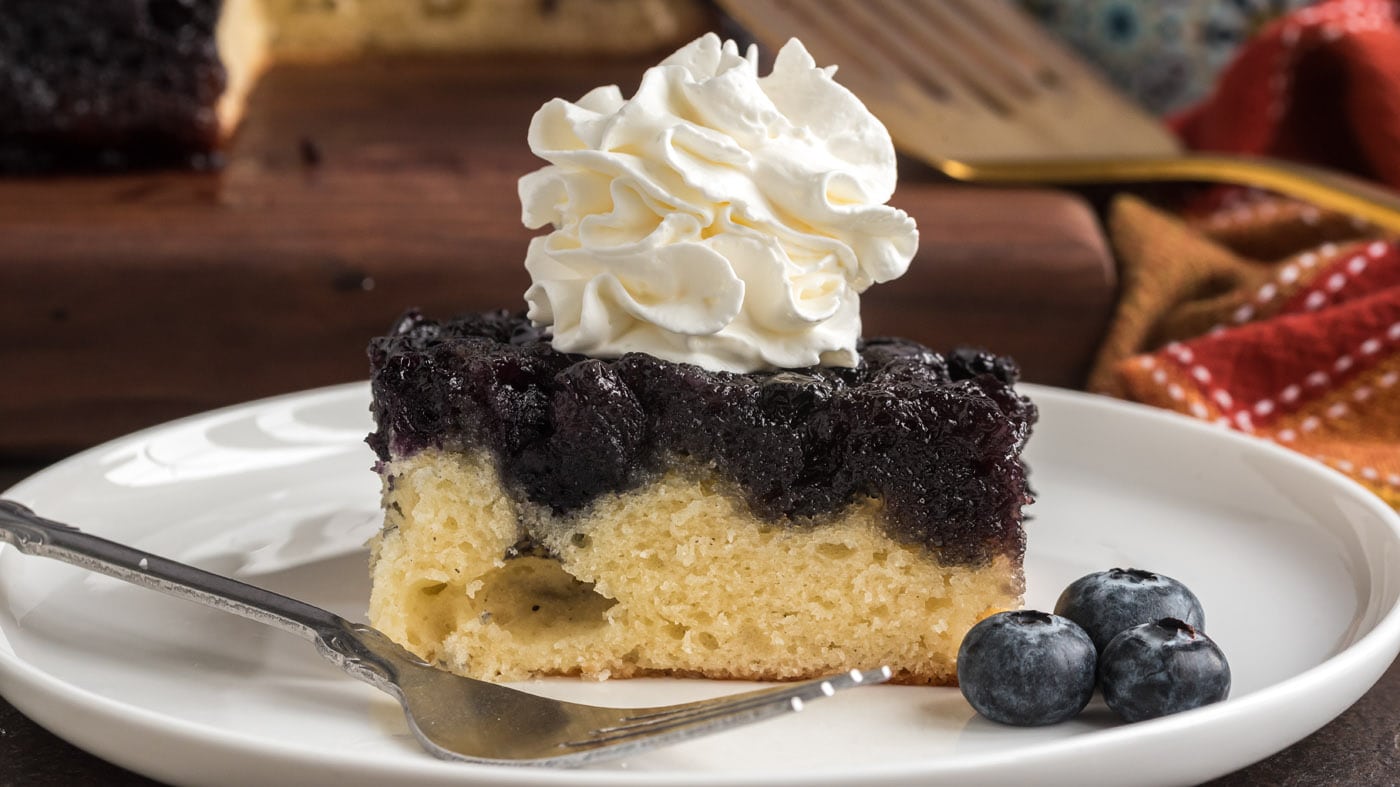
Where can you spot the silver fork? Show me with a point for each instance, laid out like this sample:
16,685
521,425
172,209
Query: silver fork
455,718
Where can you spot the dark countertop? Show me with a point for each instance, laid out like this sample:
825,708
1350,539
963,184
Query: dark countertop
1360,747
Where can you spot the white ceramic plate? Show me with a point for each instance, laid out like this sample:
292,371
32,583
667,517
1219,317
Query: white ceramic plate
1298,568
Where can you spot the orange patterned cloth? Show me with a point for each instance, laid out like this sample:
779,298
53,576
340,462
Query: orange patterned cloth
1267,315
1302,349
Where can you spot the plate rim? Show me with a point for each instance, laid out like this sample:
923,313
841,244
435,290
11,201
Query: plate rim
1365,659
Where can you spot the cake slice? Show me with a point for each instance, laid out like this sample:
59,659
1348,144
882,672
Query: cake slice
113,84
682,460
551,514
119,84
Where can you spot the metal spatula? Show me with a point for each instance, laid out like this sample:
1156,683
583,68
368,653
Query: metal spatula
977,90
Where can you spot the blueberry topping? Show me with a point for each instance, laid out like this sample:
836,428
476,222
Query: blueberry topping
1160,668
970,362
1107,602
595,433
1026,668
937,437
108,84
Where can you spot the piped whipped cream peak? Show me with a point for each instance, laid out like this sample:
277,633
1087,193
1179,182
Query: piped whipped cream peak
717,217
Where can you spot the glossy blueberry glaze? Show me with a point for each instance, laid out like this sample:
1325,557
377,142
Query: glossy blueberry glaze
937,437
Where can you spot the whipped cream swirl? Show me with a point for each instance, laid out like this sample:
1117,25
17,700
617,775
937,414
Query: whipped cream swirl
717,217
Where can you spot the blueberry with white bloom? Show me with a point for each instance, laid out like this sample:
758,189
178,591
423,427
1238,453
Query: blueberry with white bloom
1026,668
1161,668
1107,602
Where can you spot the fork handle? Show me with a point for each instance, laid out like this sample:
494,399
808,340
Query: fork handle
1322,187
35,535
361,651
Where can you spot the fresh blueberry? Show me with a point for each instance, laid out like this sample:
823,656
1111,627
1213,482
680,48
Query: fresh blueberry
1026,668
1108,602
1160,668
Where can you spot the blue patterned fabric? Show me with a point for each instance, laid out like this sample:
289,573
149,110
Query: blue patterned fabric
1164,53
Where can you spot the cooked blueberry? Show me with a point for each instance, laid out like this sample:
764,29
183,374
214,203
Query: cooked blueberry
789,396
799,444
1026,668
880,354
966,362
596,427
1160,668
1107,602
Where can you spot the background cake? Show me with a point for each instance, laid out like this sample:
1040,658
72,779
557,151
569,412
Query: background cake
112,84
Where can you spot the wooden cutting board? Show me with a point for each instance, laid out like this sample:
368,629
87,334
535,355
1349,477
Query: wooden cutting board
355,190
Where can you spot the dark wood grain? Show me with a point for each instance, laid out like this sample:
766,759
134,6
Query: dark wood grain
356,190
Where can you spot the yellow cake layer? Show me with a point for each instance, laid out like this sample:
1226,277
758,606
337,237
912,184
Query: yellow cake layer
252,34
673,578
318,29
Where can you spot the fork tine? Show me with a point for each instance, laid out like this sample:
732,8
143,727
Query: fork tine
663,731
670,722
819,687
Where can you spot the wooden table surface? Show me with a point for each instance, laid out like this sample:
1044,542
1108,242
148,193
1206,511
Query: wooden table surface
356,190
294,174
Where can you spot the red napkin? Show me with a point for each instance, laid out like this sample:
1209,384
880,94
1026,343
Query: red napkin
1320,85
1263,314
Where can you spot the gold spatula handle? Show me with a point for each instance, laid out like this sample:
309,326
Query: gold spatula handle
1321,187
